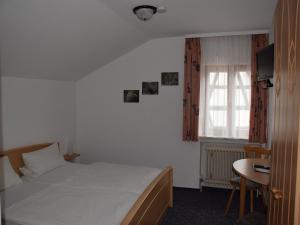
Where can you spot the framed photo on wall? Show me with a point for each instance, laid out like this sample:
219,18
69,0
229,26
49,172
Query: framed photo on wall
169,78
150,88
131,96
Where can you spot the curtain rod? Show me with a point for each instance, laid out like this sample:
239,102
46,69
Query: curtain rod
248,32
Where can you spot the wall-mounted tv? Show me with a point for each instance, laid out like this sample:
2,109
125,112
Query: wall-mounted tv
265,63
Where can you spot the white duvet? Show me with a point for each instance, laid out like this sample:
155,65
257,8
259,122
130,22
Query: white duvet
114,177
96,194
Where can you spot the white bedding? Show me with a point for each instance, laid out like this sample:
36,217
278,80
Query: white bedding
58,205
114,177
20,192
95,194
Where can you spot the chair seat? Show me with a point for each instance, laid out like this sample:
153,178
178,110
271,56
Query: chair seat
250,185
254,218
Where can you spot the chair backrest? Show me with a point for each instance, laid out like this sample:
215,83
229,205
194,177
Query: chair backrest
253,151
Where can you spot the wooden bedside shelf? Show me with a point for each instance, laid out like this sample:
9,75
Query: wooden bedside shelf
71,157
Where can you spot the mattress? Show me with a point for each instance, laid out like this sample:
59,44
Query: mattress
76,194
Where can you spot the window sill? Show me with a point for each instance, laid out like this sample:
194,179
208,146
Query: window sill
222,140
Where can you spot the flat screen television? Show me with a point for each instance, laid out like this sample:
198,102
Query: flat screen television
265,63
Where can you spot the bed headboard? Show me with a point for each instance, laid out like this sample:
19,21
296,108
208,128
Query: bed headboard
15,155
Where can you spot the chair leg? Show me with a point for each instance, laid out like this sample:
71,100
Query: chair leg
229,201
251,200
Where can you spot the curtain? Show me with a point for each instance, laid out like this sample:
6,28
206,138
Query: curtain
191,89
259,95
225,86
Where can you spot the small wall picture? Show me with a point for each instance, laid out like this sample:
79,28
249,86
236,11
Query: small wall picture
169,78
150,88
131,95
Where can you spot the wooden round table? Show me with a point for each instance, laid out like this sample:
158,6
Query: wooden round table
244,168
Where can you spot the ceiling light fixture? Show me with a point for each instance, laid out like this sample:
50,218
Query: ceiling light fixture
144,12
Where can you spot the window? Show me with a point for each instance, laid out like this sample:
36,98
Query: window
225,101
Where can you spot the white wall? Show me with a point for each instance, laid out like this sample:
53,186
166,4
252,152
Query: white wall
145,133
37,111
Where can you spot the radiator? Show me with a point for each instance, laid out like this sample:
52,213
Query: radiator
216,162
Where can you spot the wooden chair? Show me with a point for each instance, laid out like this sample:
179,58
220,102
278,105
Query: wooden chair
251,152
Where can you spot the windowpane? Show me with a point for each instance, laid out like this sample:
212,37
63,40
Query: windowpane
218,79
245,77
222,79
218,118
242,118
242,97
212,76
218,97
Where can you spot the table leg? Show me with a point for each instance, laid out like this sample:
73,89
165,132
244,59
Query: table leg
242,197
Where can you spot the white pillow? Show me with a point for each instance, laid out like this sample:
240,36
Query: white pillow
28,173
44,160
8,177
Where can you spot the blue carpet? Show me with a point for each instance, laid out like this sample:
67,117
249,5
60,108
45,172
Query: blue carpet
192,207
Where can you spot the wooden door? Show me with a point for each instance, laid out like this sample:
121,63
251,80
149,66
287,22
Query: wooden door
284,199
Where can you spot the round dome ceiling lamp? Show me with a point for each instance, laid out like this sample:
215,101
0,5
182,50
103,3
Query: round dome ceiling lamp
145,12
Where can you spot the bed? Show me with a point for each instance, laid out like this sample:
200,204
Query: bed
99,193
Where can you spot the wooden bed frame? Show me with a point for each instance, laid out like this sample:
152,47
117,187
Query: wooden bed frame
150,207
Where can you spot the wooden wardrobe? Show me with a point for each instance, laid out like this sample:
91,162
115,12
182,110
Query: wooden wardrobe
285,160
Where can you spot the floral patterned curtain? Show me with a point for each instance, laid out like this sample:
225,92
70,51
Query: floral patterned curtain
191,89
259,95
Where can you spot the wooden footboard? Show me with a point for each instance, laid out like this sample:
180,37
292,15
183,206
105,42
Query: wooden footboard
153,203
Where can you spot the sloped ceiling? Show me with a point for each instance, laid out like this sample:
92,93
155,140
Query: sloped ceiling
68,39
62,39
